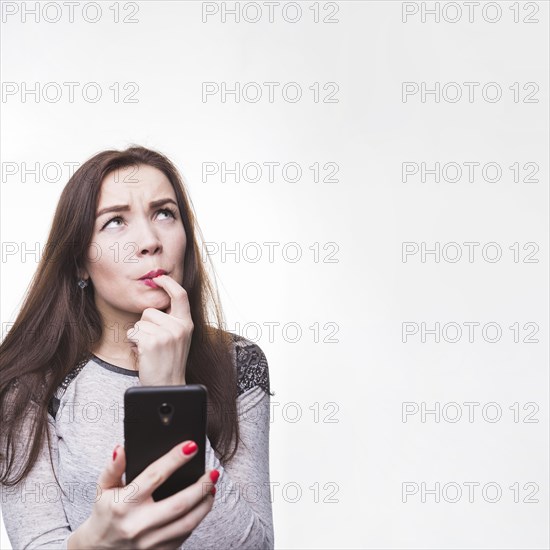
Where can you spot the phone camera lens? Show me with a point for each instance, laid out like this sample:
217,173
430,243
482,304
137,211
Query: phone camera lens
165,408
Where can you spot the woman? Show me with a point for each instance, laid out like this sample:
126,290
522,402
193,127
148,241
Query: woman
120,299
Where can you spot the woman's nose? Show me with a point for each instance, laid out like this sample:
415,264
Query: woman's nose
148,241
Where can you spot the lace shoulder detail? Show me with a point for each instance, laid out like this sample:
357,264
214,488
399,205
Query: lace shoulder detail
53,405
252,367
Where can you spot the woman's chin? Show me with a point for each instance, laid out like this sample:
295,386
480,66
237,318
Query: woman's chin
158,302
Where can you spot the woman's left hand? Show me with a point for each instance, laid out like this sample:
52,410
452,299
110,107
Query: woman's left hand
162,340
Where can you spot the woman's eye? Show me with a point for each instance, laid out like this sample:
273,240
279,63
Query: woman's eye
168,211
112,220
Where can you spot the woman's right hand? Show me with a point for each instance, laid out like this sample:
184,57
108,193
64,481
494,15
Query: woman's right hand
128,517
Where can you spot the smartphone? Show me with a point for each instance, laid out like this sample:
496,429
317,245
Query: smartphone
156,418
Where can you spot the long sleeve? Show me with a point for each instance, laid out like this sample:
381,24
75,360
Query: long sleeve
241,516
32,510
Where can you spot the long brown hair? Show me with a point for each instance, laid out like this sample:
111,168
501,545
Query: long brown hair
58,321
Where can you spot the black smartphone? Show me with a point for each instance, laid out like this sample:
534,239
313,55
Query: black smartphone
156,418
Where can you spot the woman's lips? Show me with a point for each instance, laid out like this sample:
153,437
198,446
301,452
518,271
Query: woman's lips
150,283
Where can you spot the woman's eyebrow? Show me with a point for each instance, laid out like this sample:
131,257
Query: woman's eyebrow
125,207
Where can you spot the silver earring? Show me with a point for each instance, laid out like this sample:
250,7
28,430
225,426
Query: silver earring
83,283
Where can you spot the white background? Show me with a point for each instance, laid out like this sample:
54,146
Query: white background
368,292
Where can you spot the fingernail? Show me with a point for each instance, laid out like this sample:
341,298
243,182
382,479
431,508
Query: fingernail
114,452
213,491
189,448
214,475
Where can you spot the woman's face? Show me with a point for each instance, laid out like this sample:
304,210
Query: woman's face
127,244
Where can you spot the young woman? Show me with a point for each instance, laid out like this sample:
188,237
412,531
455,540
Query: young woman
120,298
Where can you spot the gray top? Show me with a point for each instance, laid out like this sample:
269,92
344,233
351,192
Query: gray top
86,420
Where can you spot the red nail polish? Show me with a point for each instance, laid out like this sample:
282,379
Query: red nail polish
189,448
214,475
213,491
114,452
